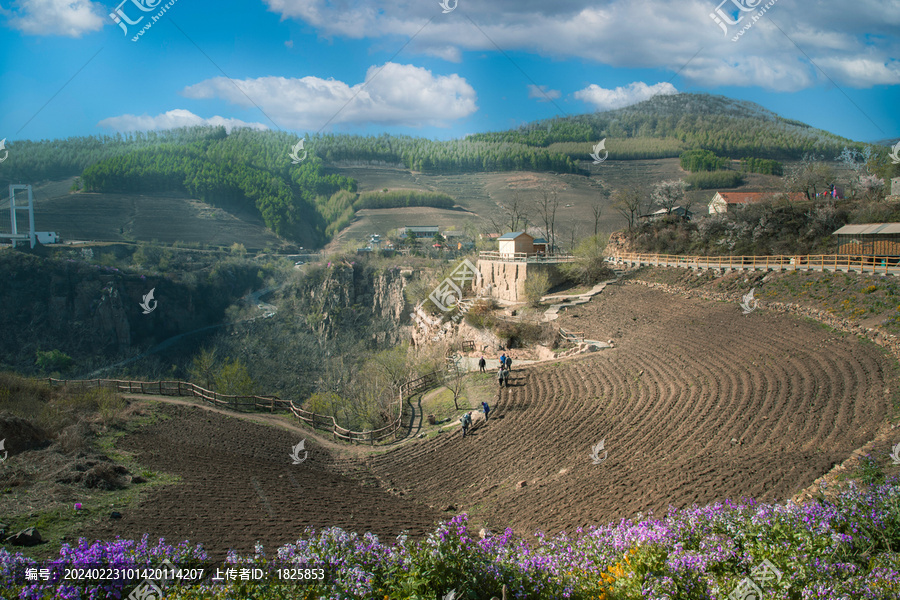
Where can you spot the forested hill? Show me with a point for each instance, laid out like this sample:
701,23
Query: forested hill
250,168
242,169
666,125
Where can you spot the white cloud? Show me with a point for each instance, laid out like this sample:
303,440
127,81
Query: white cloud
606,99
860,71
170,120
542,93
394,95
70,18
855,38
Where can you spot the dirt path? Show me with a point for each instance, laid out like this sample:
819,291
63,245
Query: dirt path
320,438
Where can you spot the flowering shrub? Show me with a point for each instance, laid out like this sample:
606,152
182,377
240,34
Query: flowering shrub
837,548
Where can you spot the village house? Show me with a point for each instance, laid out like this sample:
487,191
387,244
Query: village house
722,201
517,242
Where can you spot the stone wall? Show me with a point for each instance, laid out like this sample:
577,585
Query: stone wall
505,280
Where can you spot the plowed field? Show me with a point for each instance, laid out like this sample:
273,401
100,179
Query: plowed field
696,403
239,486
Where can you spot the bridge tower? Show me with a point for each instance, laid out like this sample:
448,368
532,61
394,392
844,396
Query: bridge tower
15,235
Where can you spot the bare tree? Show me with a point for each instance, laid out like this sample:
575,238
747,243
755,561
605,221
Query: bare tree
628,202
810,177
514,216
596,210
669,194
574,236
547,204
455,380
597,207
516,213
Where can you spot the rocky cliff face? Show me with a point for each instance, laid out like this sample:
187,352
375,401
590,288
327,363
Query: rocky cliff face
358,297
90,311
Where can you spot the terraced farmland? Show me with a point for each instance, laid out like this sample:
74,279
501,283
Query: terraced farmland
696,403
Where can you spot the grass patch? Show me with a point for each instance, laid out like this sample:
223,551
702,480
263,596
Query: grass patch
440,404
80,432
62,523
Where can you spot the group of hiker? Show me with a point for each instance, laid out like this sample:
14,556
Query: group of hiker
502,377
502,372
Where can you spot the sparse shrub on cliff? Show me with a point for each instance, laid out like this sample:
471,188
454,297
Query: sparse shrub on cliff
521,333
590,266
536,285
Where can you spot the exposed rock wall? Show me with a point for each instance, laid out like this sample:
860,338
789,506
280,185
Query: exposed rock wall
505,280
351,286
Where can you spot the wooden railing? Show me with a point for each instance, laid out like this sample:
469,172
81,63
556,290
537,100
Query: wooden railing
270,403
179,388
525,257
804,262
571,336
422,383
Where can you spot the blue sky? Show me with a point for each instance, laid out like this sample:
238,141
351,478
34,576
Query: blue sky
371,66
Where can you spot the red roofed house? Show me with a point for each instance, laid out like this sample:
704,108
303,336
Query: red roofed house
722,200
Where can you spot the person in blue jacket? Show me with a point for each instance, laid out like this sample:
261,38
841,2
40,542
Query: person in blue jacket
487,409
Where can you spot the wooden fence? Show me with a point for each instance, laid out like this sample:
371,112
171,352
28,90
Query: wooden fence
422,383
571,336
250,403
884,265
179,388
525,257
